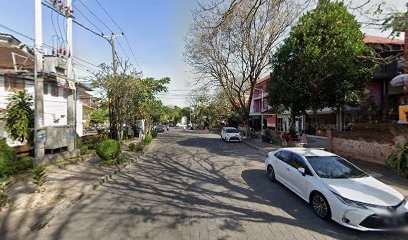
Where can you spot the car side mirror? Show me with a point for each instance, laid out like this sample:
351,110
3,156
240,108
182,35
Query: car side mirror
302,171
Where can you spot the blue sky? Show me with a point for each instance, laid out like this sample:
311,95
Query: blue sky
155,30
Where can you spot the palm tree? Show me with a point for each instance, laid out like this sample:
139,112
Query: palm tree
20,116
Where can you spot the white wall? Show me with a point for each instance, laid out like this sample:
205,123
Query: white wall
79,118
55,107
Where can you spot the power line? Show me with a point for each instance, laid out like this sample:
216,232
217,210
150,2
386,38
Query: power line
108,15
87,28
87,19
53,25
120,45
96,16
59,28
45,45
73,20
126,39
14,31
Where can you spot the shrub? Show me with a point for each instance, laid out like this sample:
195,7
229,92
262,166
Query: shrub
22,164
78,141
132,147
39,177
148,139
110,162
123,159
399,161
108,149
154,134
140,147
7,158
20,116
83,150
4,184
93,140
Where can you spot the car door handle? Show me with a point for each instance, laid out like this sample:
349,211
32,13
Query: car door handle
288,169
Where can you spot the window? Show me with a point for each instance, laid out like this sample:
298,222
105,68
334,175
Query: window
66,92
284,156
232,130
280,125
46,88
297,161
54,90
334,167
265,104
13,84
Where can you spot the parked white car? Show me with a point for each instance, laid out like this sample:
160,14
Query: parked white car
230,134
337,189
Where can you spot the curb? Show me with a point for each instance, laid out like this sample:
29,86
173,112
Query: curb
253,146
26,230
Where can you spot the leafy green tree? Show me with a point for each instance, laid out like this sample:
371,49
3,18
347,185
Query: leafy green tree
20,116
130,98
99,115
323,63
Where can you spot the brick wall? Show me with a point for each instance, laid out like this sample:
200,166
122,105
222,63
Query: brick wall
363,150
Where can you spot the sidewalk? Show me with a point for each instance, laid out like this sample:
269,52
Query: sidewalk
381,172
312,142
67,182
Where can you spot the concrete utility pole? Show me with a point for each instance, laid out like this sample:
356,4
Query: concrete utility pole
39,131
71,104
111,40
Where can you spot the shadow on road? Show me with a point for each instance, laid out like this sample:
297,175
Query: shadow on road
191,186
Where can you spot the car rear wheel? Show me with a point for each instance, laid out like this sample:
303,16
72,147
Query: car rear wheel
270,173
320,206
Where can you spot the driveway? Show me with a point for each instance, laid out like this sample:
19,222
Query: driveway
195,186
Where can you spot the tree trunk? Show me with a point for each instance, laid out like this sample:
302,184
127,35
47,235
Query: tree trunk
292,123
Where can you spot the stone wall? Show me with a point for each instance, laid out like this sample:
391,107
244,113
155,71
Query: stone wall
363,150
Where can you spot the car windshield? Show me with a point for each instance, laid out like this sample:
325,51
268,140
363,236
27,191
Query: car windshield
334,167
231,130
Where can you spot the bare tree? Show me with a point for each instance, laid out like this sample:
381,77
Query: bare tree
230,42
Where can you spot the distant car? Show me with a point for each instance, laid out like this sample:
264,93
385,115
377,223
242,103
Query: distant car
181,125
172,125
230,134
159,128
338,190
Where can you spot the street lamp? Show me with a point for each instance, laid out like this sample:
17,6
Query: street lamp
262,96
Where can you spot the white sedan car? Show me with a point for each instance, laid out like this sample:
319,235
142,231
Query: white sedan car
230,134
337,189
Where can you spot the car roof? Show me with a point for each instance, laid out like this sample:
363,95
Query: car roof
309,152
229,128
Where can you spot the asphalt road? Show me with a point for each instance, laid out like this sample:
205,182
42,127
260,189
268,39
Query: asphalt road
195,186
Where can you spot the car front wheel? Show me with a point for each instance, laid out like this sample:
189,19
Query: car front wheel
320,206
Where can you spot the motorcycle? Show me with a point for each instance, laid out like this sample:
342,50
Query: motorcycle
267,139
252,133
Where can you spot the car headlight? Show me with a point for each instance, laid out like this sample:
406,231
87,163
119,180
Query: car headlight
349,202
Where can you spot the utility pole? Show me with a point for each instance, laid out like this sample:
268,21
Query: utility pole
39,131
113,117
71,103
